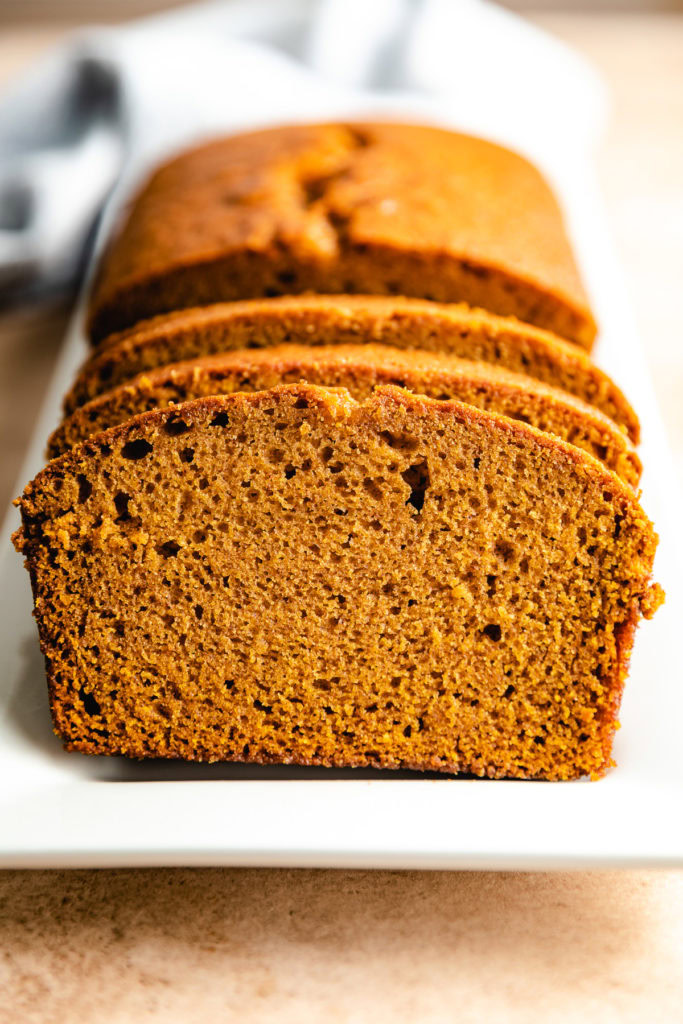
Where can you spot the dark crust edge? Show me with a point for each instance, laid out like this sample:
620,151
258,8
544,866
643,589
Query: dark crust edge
509,380
176,322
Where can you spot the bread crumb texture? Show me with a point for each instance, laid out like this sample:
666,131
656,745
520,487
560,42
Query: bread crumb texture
294,576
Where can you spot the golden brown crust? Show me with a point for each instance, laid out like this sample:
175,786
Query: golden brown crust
290,576
359,368
371,208
342,319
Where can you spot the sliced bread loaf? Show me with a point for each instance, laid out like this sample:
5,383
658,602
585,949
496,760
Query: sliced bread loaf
291,576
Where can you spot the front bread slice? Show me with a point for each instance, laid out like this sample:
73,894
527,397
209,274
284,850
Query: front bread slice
292,576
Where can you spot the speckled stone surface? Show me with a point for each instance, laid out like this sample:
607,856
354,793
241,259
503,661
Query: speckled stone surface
264,946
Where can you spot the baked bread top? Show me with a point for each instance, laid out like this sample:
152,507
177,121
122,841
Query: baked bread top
371,208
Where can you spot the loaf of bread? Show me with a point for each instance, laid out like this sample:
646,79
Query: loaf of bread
367,208
331,320
340,484
292,576
359,368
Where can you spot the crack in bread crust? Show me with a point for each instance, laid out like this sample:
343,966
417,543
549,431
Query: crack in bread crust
385,209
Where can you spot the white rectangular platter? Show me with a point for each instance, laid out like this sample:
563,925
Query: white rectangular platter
59,809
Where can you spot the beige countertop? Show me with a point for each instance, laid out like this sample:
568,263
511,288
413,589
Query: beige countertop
269,945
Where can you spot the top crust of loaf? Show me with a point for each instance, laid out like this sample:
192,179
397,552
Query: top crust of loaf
375,208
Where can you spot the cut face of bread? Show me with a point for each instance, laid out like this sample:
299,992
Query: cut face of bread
341,319
359,368
382,209
291,576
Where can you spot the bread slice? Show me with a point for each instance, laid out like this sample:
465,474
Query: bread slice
341,319
382,209
359,368
291,576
